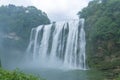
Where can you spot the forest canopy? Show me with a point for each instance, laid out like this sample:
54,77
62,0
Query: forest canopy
16,23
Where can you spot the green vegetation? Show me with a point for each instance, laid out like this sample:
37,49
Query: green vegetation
16,23
102,27
95,75
16,75
118,78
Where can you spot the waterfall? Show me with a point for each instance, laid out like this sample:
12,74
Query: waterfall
61,44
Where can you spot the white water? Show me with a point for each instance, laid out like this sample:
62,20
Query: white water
59,45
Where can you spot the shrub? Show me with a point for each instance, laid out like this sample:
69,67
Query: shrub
16,75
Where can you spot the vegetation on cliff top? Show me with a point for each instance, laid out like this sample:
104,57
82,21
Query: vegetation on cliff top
16,23
103,35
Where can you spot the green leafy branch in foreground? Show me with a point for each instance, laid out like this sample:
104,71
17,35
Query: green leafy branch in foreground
16,75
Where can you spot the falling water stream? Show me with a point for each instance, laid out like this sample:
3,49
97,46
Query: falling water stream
59,44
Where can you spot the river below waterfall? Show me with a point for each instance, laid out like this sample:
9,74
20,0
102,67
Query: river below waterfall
57,74
52,74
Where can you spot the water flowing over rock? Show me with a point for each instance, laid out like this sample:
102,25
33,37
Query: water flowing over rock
61,44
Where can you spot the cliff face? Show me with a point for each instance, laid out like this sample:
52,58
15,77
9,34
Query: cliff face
102,27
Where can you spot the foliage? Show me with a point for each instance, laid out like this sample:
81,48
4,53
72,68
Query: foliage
102,27
118,78
95,75
16,75
16,23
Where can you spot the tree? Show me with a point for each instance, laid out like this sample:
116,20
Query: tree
17,22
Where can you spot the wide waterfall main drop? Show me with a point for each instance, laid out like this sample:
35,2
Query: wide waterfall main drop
59,45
